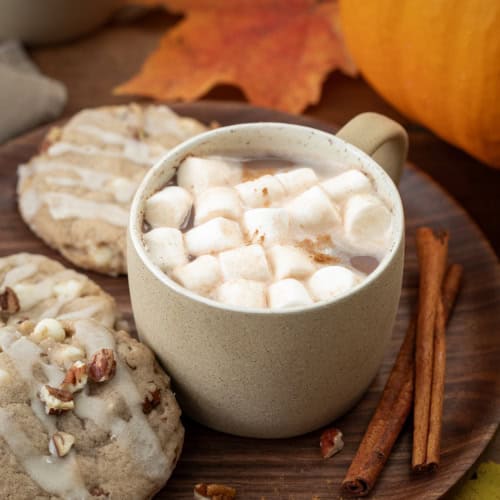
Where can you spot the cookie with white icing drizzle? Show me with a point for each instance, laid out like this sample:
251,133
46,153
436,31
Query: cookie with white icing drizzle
76,193
121,434
35,287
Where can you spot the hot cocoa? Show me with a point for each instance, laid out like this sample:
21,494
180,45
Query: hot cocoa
267,233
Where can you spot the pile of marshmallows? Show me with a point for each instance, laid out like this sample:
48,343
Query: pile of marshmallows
245,234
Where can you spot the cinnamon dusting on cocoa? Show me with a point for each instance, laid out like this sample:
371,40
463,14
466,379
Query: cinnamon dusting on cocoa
250,174
318,249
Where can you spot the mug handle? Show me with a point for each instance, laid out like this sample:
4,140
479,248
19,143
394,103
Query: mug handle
380,137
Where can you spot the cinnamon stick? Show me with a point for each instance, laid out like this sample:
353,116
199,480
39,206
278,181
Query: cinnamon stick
386,423
450,289
394,405
432,253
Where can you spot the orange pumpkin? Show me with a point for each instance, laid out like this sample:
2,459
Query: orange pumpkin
438,62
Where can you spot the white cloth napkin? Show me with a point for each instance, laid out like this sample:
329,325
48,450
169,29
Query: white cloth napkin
27,98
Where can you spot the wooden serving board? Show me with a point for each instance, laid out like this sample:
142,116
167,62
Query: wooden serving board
293,468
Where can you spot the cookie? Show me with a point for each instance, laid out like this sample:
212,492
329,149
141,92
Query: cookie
76,193
85,412
35,287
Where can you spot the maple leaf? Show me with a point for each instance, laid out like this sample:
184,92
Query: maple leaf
277,51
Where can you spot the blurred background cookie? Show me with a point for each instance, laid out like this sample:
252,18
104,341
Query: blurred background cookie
76,193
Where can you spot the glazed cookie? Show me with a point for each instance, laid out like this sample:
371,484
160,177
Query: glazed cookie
85,412
35,287
76,193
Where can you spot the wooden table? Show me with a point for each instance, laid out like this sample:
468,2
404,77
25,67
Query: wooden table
92,66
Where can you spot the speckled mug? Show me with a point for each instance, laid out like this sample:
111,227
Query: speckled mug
269,373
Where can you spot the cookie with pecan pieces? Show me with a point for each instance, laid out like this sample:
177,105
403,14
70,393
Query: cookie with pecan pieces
75,194
85,412
34,287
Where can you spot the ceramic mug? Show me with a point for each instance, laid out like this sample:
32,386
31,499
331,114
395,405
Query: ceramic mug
273,373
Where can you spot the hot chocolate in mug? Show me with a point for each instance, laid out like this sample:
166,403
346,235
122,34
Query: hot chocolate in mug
274,372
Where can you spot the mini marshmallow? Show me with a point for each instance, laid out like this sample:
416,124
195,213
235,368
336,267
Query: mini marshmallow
266,226
331,281
198,174
217,202
169,207
313,212
346,184
366,220
297,180
215,235
246,262
165,247
261,192
200,276
288,293
242,293
290,262
48,328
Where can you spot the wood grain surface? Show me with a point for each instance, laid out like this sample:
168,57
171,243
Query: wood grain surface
293,468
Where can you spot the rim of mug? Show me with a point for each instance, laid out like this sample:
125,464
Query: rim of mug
184,149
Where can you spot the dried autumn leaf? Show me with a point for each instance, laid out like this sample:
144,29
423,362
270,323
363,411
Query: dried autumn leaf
278,52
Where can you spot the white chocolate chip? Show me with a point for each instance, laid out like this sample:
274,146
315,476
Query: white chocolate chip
48,328
101,254
68,290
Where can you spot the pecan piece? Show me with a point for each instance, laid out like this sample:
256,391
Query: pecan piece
102,366
60,444
331,442
76,377
9,302
57,401
152,399
97,491
203,491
